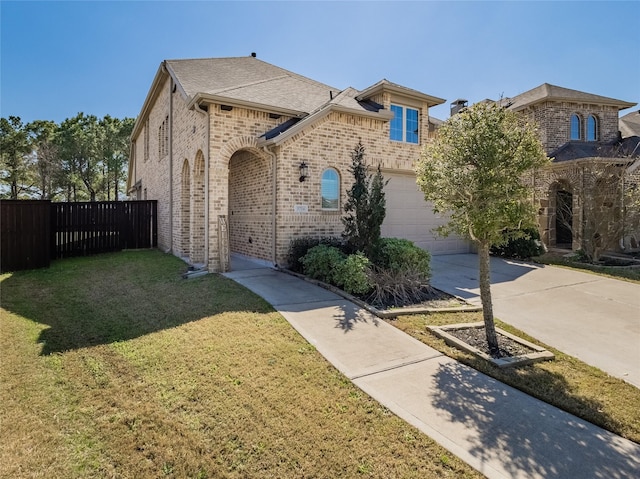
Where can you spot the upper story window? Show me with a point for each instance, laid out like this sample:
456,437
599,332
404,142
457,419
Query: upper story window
592,128
146,140
163,138
330,189
576,127
404,125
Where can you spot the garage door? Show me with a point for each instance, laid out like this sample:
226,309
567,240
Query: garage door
410,217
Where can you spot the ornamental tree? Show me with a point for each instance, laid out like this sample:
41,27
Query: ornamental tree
473,172
365,207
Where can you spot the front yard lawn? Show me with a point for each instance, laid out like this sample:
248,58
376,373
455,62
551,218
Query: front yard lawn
114,366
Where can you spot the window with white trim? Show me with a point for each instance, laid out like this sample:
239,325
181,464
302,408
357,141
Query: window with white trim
404,125
330,189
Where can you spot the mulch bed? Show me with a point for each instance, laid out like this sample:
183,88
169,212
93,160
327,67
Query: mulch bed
428,297
477,338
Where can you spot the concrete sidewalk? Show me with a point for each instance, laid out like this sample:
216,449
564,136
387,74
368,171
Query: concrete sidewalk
590,317
498,430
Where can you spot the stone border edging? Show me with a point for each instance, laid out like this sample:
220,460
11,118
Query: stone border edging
540,353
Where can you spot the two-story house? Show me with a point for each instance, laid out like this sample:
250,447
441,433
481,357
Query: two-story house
244,156
577,130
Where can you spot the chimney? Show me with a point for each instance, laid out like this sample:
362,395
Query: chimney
458,105
253,54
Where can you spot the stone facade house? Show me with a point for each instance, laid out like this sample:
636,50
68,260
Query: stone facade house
244,156
581,133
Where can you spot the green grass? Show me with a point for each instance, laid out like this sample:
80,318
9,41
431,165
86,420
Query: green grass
565,382
114,366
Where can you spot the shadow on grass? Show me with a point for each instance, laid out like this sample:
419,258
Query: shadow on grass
115,297
538,440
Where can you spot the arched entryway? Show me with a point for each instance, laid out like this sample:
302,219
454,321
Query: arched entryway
185,210
250,204
562,201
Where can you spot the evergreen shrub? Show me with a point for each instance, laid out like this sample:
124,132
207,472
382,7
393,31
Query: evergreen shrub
525,247
321,262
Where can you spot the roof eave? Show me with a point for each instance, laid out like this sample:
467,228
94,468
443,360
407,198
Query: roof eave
379,87
199,98
156,86
621,105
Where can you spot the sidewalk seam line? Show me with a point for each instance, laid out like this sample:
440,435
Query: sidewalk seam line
391,368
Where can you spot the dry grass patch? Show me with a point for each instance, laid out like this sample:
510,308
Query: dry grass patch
565,382
113,366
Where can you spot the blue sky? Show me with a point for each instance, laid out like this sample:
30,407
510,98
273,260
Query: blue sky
61,58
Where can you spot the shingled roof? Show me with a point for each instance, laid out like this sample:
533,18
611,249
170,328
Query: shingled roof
630,124
252,83
546,92
248,80
575,150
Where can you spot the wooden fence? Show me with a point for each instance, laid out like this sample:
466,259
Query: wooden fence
41,230
25,234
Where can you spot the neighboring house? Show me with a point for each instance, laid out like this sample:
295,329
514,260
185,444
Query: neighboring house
577,130
630,124
244,156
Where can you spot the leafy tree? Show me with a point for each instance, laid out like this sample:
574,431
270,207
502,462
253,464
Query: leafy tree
473,171
15,163
47,167
365,207
115,153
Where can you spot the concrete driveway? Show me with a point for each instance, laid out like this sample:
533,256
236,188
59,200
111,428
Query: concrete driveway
590,317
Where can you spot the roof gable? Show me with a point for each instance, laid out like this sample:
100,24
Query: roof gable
548,92
386,85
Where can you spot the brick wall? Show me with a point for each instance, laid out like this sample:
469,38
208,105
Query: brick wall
554,119
154,171
238,179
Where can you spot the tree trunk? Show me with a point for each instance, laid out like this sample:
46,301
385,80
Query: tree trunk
485,295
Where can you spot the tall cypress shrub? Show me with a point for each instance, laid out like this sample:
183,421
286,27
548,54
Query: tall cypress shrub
365,207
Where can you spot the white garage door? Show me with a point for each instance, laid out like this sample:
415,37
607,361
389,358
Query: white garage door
410,217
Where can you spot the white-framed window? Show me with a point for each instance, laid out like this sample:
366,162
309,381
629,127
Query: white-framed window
592,128
576,127
404,125
330,189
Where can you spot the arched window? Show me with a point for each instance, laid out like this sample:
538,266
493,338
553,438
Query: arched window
575,127
592,128
330,189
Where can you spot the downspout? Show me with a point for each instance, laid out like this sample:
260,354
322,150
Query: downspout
274,184
205,113
624,215
171,85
